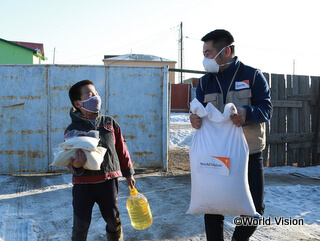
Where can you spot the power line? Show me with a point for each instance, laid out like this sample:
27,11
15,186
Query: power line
181,52
163,34
161,38
192,38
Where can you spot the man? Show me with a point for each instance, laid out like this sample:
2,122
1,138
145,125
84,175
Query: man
101,186
229,80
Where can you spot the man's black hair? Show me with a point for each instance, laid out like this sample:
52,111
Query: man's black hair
75,90
220,38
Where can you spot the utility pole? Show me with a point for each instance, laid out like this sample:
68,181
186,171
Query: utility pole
54,54
294,67
181,51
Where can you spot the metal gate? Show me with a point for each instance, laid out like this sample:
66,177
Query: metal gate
35,111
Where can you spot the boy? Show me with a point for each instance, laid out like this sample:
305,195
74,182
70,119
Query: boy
97,186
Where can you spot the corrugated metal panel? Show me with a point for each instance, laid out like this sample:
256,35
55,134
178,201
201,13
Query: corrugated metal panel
60,79
136,101
35,111
23,119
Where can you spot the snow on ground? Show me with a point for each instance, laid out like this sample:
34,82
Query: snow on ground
181,132
179,118
40,207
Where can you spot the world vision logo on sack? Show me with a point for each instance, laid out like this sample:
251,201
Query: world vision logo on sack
242,85
215,165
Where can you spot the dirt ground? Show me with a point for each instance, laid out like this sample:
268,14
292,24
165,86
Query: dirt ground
34,207
179,160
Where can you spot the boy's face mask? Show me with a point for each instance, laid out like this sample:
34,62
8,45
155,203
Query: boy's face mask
92,104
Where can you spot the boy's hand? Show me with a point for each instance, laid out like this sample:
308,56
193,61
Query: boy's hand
80,159
131,181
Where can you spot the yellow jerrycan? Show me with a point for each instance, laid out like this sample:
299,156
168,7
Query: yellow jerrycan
139,210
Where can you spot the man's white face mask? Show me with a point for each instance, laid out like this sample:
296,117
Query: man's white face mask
211,65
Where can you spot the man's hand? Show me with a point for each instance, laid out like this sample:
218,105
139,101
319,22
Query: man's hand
79,160
131,181
240,118
195,121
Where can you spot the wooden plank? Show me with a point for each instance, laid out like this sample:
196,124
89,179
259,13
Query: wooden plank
277,138
305,154
305,145
315,118
278,121
290,153
295,119
282,121
287,104
301,97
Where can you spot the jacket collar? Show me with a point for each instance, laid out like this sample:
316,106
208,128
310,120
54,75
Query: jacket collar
231,68
76,115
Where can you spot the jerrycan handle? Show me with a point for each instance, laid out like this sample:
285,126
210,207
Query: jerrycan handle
133,191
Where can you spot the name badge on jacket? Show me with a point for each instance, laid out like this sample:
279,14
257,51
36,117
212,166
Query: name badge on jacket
242,85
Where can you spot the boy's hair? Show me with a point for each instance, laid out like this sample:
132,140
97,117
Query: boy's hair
75,90
220,38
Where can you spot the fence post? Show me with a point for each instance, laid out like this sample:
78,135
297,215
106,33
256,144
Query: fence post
278,121
315,117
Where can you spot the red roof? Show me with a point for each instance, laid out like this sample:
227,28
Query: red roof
35,46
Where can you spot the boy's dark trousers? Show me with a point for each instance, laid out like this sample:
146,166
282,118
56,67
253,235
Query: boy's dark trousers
214,222
105,194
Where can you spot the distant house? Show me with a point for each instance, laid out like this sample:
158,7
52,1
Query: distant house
140,60
12,52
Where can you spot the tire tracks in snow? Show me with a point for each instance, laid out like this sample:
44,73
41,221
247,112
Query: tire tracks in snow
21,210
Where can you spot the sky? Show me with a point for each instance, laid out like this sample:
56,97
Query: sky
275,36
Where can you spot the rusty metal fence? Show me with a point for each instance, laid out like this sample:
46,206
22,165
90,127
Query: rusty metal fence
34,111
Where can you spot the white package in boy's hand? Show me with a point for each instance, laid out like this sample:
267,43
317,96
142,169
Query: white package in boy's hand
88,142
80,142
219,160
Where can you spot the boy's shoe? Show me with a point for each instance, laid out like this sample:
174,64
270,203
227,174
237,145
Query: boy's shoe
116,236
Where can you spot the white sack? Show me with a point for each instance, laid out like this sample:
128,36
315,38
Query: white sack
80,142
94,158
215,188
61,157
89,145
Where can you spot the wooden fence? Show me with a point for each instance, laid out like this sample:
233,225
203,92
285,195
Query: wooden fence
293,132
